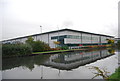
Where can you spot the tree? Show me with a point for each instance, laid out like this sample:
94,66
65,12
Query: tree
30,40
118,43
37,46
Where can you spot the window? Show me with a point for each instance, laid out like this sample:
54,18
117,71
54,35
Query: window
66,36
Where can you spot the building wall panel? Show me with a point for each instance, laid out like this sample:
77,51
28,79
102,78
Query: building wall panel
73,33
51,42
23,40
95,39
103,39
86,38
72,41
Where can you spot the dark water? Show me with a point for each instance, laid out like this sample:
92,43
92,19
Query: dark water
72,65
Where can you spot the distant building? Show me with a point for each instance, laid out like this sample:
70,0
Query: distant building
66,37
116,40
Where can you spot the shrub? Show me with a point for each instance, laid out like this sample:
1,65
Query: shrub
116,75
64,47
30,40
118,43
39,46
16,49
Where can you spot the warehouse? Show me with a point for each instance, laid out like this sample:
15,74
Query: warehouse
66,37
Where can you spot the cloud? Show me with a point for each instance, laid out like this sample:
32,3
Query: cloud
67,23
23,17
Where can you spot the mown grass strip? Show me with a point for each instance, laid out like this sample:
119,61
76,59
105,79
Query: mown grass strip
50,51
58,51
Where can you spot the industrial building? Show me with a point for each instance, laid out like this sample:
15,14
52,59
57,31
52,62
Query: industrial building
66,37
116,40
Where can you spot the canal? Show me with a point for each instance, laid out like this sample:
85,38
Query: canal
70,65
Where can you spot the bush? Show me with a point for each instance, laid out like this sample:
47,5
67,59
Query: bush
39,46
64,47
16,49
115,75
118,43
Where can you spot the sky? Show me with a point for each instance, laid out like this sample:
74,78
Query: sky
24,17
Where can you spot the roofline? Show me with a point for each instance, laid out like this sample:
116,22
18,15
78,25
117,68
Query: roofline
89,33
60,30
117,38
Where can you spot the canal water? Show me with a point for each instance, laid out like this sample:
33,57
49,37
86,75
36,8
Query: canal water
70,65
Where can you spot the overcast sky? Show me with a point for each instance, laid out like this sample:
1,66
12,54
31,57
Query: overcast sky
24,17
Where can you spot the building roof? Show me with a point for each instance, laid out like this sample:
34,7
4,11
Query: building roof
117,38
61,30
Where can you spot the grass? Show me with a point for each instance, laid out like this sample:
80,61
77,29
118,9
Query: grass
50,51
58,51
115,75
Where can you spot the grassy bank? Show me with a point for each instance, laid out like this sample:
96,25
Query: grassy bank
38,47
59,51
116,75
51,51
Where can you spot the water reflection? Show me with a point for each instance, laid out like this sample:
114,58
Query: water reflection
64,61
26,62
70,65
69,61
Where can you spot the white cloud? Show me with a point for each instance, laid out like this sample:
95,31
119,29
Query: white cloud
23,17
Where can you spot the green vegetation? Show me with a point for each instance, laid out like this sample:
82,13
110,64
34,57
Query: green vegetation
100,72
104,73
115,75
19,49
30,40
64,48
118,43
25,62
16,49
50,51
37,46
